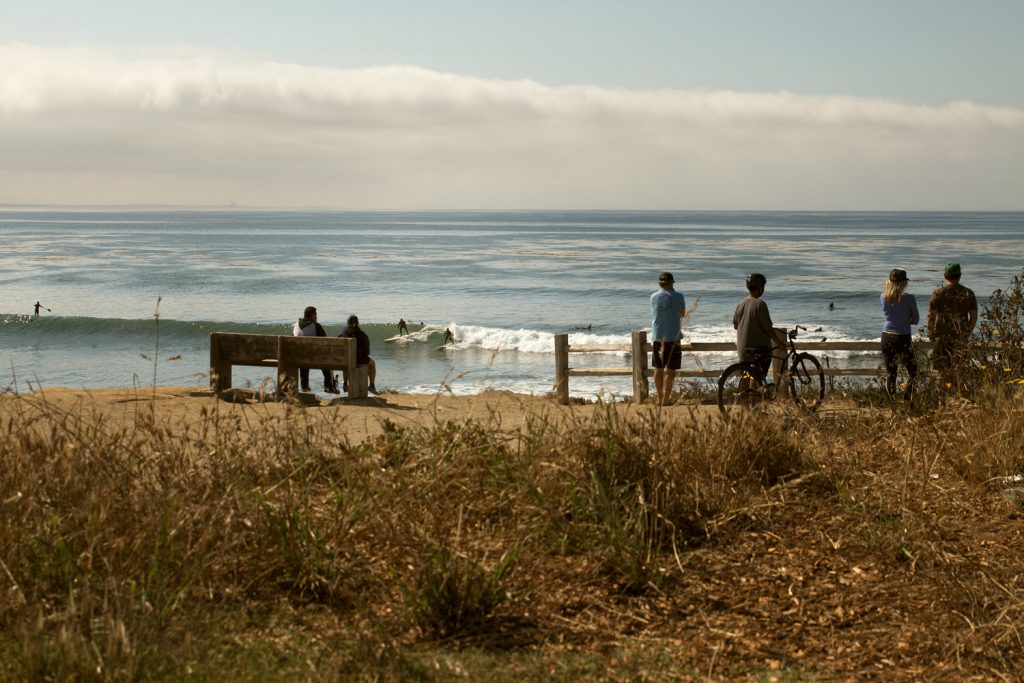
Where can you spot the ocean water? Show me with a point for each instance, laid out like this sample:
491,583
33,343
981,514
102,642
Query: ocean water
133,295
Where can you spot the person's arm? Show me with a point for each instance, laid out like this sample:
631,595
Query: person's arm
682,315
972,316
932,315
915,317
764,320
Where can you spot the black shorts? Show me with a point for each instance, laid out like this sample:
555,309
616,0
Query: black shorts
667,355
761,356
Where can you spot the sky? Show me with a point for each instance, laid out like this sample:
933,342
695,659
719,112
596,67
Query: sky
452,104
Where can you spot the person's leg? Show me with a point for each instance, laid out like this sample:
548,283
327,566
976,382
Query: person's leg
304,378
890,356
904,356
960,361
658,361
942,361
329,386
667,384
672,363
659,383
372,374
764,366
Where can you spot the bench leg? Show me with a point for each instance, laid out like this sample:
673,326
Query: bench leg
220,377
358,380
287,381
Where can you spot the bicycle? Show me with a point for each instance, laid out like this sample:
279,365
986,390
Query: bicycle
744,384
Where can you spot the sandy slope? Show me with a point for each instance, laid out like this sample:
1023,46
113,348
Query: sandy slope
182,408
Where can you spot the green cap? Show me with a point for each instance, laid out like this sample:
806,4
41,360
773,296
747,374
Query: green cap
952,270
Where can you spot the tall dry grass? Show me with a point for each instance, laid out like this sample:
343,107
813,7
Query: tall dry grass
129,553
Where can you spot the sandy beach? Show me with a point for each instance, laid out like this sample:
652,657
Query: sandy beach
181,409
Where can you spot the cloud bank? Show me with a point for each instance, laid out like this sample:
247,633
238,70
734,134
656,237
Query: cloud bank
91,126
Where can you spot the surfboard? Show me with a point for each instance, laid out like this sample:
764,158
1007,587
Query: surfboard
397,337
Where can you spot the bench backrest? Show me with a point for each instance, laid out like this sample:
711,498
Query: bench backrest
329,353
243,349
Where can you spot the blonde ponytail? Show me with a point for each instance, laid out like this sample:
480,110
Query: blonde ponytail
894,291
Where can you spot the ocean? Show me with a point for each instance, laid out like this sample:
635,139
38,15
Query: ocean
134,294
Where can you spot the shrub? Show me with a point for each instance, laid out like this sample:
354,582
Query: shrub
455,592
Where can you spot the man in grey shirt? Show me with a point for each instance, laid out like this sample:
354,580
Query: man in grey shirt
753,323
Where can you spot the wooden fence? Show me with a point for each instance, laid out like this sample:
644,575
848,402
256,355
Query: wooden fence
640,370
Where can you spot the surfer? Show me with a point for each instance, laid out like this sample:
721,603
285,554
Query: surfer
38,306
403,328
448,336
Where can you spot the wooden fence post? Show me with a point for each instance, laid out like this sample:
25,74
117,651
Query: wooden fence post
562,368
638,346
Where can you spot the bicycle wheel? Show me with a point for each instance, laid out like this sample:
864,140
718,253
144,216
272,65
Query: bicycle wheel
740,386
806,381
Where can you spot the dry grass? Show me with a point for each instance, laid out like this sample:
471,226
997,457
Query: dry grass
623,546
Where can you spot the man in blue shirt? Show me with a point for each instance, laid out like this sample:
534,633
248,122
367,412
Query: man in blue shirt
667,310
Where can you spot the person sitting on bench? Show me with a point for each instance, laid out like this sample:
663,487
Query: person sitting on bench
307,326
353,331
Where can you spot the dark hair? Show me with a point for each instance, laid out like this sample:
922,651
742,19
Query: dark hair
309,312
353,321
756,281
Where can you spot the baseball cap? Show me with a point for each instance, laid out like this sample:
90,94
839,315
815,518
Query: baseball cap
898,275
952,269
666,277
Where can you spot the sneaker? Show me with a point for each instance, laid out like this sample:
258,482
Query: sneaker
332,390
372,389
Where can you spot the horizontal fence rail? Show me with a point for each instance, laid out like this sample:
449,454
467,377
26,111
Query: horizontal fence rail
639,370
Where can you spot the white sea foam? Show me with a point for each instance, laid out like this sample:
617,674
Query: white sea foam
536,341
526,340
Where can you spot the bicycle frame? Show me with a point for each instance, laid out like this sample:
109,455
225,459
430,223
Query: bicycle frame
800,371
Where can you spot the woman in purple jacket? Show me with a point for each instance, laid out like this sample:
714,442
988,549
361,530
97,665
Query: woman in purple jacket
900,311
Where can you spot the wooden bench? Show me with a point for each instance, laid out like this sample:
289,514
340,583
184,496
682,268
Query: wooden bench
287,354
